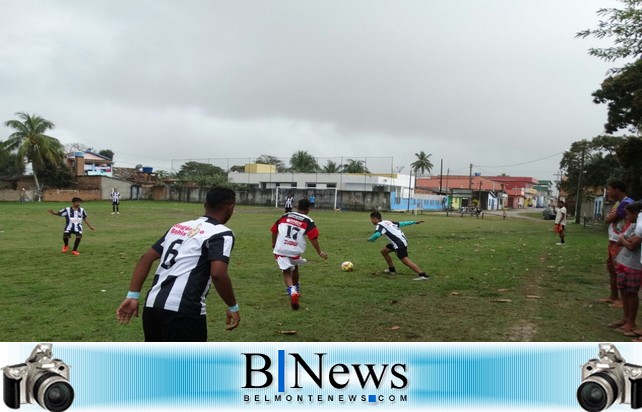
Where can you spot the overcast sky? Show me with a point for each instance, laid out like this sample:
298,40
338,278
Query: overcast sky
500,84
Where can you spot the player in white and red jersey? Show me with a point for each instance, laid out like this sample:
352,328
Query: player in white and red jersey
288,241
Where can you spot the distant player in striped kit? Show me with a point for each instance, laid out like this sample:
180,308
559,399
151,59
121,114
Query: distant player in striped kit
398,243
115,201
74,217
193,255
288,243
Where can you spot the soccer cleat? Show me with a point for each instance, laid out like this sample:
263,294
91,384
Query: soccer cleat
394,272
65,249
560,244
113,213
294,300
421,278
75,252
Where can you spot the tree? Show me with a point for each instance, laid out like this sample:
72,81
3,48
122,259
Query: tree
623,95
10,166
204,174
107,153
355,166
33,145
303,162
623,25
331,167
271,160
422,164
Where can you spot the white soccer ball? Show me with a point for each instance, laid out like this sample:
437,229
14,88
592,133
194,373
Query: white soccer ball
347,266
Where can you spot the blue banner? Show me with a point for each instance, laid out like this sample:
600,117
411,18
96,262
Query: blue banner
320,376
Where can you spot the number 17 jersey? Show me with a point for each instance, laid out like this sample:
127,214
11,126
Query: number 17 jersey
291,230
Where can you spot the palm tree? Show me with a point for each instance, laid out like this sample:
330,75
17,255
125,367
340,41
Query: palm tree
422,164
331,167
33,145
355,166
303,162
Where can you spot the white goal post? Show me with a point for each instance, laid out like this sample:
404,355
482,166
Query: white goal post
324,196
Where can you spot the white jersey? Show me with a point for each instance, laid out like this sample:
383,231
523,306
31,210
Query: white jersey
560,217
115,197
73,219
292,229
183,278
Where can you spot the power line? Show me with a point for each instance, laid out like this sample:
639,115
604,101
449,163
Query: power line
524,163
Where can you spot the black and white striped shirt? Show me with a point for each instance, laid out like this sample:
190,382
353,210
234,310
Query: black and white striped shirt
183,280
73,219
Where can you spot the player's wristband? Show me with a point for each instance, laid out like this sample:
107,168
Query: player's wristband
234,308
133,295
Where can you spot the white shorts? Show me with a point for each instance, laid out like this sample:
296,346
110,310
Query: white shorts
288,262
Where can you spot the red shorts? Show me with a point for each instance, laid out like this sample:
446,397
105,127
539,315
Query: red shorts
628,279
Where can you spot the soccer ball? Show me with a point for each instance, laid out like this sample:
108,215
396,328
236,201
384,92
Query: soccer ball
346,266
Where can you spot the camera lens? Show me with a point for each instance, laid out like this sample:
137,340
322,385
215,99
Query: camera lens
597,392
53,392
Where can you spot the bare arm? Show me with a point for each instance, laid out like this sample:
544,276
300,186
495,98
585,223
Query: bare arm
321,253
129,306
631,243
223,286
88,224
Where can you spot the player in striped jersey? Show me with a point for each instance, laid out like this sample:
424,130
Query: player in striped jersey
288,242
193,255
74,217
398,243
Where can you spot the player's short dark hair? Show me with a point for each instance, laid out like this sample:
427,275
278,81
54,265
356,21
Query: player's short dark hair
304,204
376,215
218,197
617,184
635,207
76,199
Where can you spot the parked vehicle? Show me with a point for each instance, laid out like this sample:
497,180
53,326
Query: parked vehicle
549,213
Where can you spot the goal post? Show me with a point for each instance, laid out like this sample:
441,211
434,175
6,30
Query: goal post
324,197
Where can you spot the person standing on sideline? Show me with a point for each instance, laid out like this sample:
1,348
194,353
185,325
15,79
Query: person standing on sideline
312,200
616,191
193,255
629,272
74,217
288,244
115,201
289,202
398,243
560,222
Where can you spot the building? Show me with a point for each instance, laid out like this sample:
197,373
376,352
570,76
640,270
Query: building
89,164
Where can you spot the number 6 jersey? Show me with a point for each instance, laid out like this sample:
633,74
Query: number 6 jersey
292,228
183,279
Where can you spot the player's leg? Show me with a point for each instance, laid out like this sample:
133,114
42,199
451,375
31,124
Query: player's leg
385,252
76,243
288,269
117,208
402,254
65,241
614,297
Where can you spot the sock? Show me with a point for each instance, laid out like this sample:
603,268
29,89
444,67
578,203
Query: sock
292,290
76,243
392,269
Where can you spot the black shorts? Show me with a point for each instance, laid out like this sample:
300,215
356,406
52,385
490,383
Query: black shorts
401,252
72,232
160,325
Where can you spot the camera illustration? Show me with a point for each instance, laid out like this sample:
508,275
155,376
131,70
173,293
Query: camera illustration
41,379
608,380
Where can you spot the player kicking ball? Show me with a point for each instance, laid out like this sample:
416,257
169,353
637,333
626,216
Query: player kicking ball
288,242
398,243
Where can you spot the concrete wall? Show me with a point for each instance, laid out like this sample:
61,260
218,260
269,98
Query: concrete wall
346,200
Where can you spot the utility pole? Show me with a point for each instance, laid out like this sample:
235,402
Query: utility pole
578,198
470,178
441,174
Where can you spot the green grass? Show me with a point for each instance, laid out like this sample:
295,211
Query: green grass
492,279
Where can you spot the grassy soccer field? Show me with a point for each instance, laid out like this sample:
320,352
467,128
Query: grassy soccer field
492,279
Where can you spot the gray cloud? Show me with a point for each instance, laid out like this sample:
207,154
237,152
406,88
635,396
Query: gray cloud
491,83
